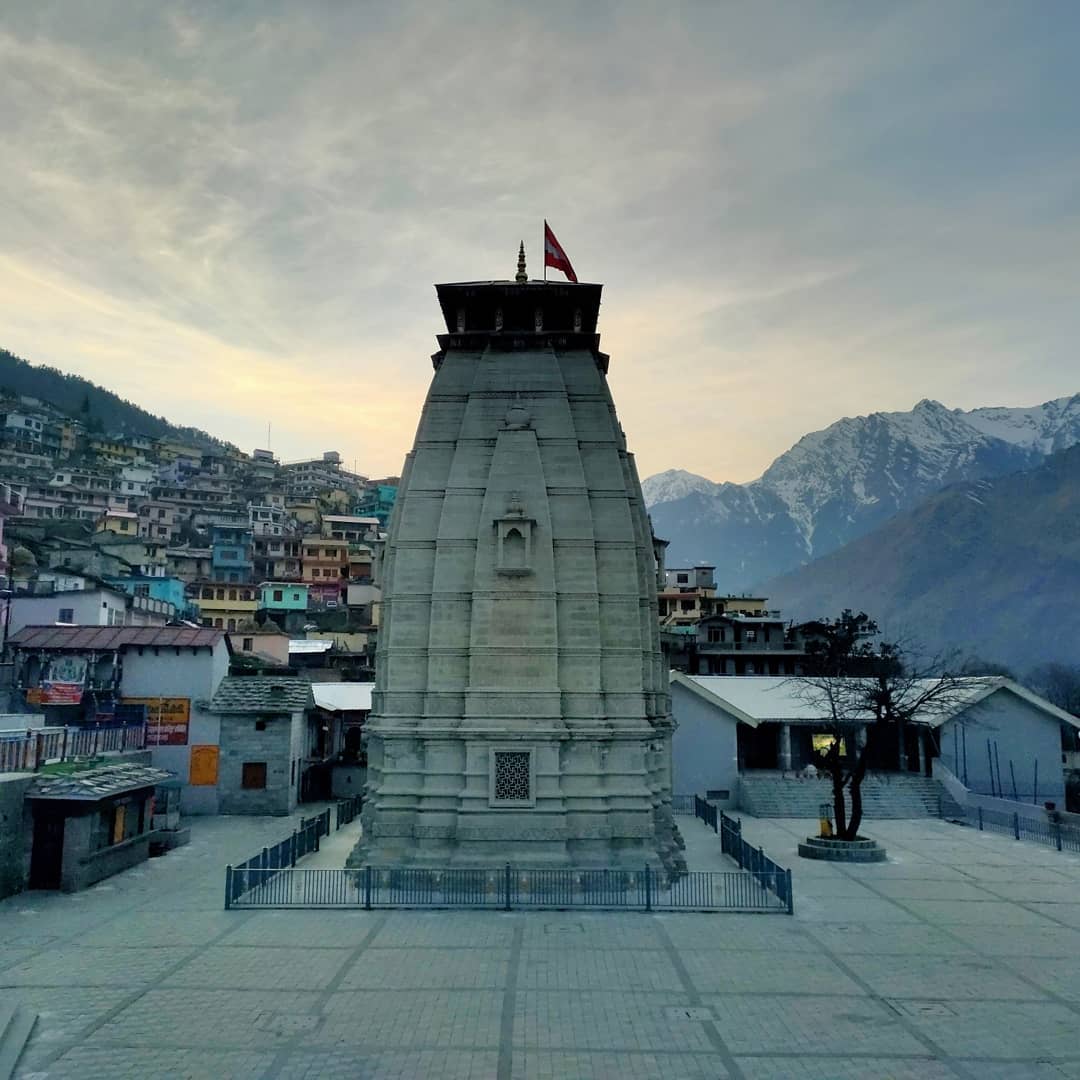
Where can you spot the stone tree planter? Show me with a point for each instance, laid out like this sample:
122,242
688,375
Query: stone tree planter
860,850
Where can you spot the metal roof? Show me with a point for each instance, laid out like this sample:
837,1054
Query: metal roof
309,645
343,696
114,637
757,699
93,784
262,694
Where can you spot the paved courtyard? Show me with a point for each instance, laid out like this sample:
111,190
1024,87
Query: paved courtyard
958,958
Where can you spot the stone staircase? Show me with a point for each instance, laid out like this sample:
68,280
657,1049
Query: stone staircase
16,1026
885,795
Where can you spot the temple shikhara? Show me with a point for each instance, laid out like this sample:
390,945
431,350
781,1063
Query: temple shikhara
521,710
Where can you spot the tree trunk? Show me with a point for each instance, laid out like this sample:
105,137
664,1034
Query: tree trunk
836,769
857,774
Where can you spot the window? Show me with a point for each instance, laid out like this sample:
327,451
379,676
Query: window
750,635
279,595
232,624
253,775
511,778
207,594
260,725
123,526
217,624
232,594
716,633
66,615
687,605
248,646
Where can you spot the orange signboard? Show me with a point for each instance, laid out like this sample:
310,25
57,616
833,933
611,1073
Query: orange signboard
204,766
167,719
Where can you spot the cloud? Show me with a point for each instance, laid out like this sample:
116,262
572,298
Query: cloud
233,214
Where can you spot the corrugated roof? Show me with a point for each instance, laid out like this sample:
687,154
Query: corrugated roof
114,637
313,645
343,696
94,784
262,694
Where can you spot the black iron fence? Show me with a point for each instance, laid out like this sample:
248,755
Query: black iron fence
272,879
683,805
507,888
1055,834
347,810
261,869
768,873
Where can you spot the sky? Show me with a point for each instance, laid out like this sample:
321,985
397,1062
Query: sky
233,214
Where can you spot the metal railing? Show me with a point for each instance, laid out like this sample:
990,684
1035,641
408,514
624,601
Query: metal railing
683,805
507,888
769,874
260,870
347,810
27,751
1054,834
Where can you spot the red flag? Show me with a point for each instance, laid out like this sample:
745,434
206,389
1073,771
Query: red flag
555,256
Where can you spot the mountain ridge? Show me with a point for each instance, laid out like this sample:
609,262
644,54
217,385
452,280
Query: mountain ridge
80,398
992,563
841,482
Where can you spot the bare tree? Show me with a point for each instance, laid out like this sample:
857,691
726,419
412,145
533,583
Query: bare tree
1059,684
856,682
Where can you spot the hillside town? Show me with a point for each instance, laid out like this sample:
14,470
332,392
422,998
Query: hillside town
133,531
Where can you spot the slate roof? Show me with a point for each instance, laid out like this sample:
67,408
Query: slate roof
93,784
114,637
262,694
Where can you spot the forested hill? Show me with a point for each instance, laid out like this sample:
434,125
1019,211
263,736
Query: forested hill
98,408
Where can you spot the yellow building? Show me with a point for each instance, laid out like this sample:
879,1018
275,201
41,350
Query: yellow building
122,522
224,606
306,511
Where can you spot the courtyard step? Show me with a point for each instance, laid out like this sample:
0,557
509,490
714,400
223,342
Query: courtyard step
887,795
16,1026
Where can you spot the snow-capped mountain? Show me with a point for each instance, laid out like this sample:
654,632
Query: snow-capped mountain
837,484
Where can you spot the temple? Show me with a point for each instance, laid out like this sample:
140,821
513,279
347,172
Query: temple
521,711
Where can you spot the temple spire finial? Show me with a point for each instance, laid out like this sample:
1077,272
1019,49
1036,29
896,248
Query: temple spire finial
521,275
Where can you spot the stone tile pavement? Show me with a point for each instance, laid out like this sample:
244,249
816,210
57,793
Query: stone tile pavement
958,958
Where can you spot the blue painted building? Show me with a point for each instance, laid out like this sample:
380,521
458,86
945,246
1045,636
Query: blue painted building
231,554
169,589
378,502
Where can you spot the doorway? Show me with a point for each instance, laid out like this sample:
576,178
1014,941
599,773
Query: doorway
47,856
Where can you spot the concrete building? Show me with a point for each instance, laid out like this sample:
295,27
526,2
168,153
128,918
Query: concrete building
231,554
729,727
98,605
224,606
521,706
171,671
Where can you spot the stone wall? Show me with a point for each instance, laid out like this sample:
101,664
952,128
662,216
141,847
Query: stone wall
16,832
82,867
278,745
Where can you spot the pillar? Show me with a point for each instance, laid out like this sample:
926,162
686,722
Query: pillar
922,752
901,757
785,747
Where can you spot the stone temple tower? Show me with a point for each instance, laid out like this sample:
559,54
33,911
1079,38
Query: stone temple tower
521,709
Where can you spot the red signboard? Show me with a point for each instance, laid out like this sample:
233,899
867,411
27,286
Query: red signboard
61,693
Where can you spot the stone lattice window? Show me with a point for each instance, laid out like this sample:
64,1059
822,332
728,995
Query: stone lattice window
511,777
